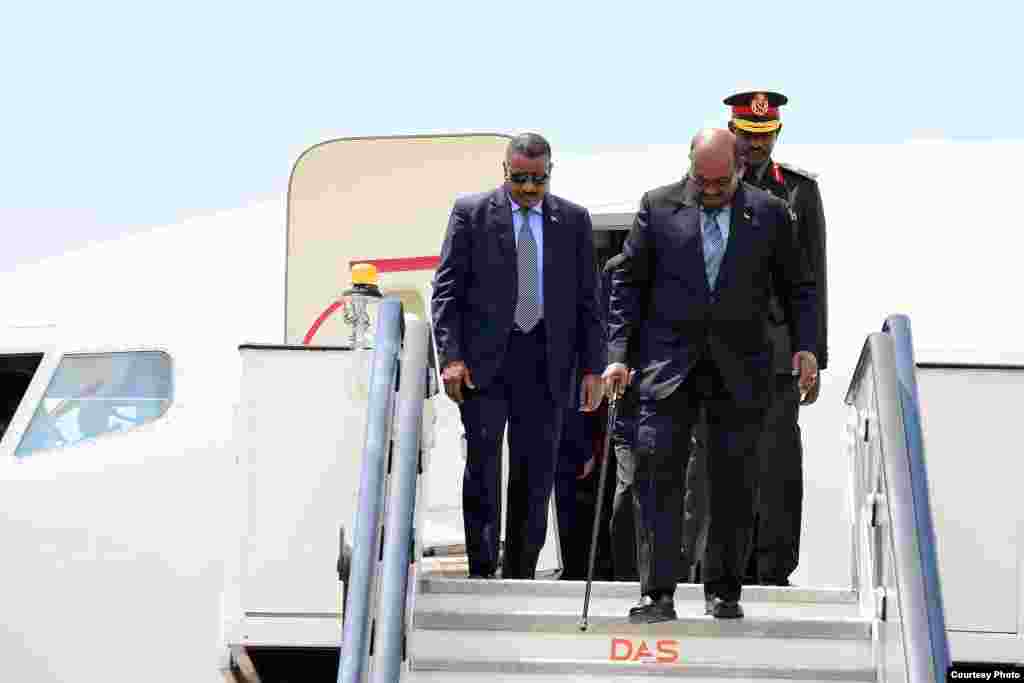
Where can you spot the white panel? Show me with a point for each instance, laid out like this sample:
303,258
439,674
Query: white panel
971,424
986,647
302,429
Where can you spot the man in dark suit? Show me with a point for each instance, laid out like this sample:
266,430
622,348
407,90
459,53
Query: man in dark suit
513,307
704,256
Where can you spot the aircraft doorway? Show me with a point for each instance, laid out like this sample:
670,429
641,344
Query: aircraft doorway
16,372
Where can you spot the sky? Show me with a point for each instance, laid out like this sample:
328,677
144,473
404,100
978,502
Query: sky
117,117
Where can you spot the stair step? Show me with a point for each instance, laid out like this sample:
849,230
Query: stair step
728,647
629,590
602,620
605,607
584,670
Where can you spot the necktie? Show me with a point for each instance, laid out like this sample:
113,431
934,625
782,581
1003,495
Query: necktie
713,246
528,302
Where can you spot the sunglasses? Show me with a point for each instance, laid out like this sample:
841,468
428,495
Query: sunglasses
523,178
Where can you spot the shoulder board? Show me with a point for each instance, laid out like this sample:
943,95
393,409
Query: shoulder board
797,171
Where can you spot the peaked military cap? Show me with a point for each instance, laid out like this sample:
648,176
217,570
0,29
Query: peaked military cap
756,111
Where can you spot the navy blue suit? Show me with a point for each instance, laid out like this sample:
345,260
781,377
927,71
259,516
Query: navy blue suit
693,347
522,379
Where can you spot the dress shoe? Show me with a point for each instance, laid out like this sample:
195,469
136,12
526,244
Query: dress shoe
651,611
723,609
774,582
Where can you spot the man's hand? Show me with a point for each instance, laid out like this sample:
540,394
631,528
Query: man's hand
454,376
588,467
812,394
592,393
806,366
616,377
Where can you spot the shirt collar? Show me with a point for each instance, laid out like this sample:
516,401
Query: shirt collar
533,209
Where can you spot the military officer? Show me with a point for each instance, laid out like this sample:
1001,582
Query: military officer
757,124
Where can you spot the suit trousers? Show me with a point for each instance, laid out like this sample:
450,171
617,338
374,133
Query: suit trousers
576,501
695,505
779,500
520,396
623,523
664,430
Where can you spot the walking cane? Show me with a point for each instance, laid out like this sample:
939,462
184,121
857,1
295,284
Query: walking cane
613,408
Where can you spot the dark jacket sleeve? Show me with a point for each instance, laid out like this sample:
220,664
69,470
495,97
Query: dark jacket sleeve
630,280
590,332
446,302
812,233
794,282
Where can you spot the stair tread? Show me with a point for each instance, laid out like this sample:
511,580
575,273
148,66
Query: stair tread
431,585
615,606
693,624
615,670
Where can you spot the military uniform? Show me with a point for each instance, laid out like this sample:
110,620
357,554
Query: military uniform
780,494
776,547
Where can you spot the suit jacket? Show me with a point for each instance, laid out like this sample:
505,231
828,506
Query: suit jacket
476,283
662,307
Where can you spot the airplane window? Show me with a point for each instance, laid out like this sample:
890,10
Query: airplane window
93,394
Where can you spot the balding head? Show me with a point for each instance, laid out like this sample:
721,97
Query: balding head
713,142
713,166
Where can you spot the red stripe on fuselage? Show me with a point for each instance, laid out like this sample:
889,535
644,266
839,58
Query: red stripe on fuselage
398,265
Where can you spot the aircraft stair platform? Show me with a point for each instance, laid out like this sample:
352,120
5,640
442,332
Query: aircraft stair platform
498,630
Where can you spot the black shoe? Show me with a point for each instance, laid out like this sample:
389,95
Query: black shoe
775,582
481,576
723,609
651,611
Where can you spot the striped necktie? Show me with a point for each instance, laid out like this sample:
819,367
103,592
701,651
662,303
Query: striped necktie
713,246
528,302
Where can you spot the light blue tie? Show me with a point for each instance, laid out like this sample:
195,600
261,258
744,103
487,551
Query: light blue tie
713,246
527,311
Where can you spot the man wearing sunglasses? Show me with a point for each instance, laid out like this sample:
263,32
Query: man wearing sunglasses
689,303
515,314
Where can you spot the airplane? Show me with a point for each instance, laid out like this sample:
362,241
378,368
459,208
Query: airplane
158,515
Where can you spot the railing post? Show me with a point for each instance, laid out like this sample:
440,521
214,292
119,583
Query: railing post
355,640
401,505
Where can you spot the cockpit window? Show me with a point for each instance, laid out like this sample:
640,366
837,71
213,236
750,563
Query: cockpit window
93,394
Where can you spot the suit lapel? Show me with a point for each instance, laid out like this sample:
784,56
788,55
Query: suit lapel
739,222
502,226
688,221
551,232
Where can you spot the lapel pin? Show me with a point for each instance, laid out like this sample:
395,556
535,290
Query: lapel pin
554,218
747,215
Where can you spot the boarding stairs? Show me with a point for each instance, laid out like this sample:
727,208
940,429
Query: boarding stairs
413,619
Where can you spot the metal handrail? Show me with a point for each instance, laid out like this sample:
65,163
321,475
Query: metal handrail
892,507
355,642
398,533
928,591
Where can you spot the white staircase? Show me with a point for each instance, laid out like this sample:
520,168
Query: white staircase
528,631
